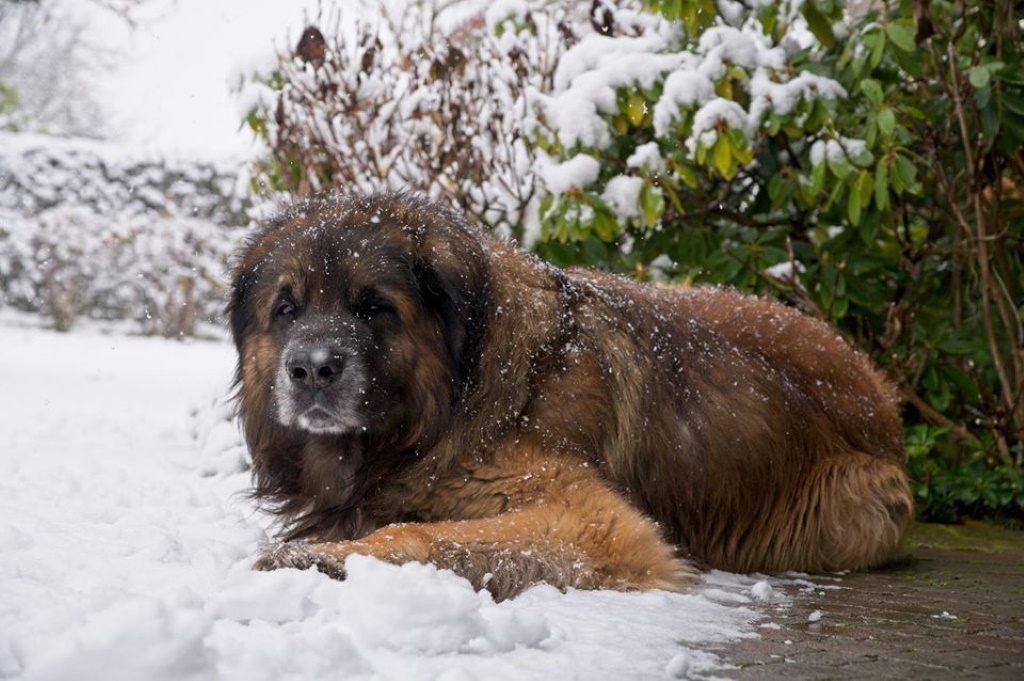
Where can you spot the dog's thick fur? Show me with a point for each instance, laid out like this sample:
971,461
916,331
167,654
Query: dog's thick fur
415,391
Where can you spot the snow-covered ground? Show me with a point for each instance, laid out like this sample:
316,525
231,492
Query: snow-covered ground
126,543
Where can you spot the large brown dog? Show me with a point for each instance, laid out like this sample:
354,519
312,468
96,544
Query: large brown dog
414,391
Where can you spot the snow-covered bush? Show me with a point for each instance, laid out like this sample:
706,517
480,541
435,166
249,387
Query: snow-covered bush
38,172
168,274
418,102
93,230
691,130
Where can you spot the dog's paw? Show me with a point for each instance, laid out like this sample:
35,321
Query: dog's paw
300,555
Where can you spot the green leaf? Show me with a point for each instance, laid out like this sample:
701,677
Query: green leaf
742,154
686,174
989,118
652,204
840,306
865,186
840,167
918,234
819,24
882,185
907,174
853,206
605,225
887,121
901,34
1014,102
862,158
963,383
721,157
671,9
775,186
979,76
818,177
687,11
874,40
740,150
769,19
868,233
701,154
636,109
872,89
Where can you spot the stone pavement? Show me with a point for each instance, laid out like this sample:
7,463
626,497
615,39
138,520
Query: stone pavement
952,608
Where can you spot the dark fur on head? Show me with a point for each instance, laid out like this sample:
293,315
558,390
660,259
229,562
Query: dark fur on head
417,343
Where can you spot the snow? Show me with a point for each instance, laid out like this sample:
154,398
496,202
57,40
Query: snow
576,173
682,89
782,98
501,11
785,271
718,112
126,548
647,156
833,150
742,48
622,194
587,78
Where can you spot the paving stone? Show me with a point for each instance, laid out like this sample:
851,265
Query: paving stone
953,608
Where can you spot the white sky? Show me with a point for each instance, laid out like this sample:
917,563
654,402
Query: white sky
171,88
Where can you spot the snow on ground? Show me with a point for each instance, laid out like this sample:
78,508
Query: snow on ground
125,553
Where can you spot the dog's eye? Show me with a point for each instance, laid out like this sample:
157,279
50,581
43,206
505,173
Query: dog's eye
373,305
285,307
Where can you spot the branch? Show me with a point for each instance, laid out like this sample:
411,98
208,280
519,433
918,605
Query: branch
936,418
1005,383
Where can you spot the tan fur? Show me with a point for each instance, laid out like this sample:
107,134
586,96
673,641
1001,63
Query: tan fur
526,517
607,434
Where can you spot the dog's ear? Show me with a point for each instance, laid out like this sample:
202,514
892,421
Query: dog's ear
457,295
239,310
451,261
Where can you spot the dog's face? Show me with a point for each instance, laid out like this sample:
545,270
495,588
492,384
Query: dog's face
344,329
355,320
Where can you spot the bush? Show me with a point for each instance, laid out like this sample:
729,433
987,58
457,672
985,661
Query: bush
867,169
166,274
411,106
89,229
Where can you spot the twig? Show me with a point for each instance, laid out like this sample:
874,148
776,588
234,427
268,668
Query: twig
937,418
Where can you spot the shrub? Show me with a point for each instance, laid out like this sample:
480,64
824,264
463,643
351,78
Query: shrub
89,229
408,105
166,274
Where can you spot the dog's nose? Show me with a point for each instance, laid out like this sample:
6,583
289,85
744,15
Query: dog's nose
314,367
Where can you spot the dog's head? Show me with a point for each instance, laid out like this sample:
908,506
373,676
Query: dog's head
357,317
